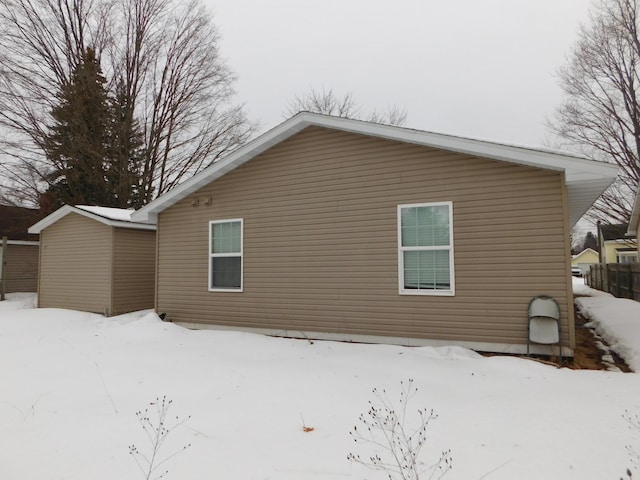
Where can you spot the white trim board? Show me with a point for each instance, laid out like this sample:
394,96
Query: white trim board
585,179
67,209
508,348
21,242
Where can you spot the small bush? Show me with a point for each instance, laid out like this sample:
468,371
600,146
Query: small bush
396,445
156,429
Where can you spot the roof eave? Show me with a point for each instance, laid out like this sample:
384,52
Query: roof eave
67,209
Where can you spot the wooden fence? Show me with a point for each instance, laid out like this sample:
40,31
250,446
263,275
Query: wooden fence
619,279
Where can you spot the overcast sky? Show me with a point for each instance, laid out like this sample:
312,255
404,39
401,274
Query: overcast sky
477,68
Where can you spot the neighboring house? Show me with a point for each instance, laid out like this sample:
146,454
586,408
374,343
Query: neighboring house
95,259
585,259
616,246
19,263
333,228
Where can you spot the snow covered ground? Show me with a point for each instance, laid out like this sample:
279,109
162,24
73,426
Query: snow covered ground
71,384
616,320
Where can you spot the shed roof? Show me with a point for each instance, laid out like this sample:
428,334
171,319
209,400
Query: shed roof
586,179
114,217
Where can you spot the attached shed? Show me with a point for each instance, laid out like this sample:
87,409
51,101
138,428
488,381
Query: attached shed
334,228
96,259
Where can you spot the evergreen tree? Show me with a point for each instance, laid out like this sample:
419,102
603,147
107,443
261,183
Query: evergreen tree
78,143
126,153
590,241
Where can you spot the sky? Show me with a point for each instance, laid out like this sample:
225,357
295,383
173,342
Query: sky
483,69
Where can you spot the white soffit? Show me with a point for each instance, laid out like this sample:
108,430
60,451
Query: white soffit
586,179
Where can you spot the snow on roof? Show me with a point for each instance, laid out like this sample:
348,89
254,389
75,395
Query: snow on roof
585,179
124,215
113,217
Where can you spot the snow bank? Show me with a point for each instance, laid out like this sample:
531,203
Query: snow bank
617,321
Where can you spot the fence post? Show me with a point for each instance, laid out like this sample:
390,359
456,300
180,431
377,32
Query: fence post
3,270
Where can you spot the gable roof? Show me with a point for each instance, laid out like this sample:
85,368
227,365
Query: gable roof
584,252
615,232
586,179
113,217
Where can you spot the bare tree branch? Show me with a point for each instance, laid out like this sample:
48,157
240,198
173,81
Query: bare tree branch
329,103
600,115
162,55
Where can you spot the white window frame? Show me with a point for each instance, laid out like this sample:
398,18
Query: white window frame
234,254
621,257
401,250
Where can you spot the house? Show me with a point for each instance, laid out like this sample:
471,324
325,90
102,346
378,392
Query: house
19,258
334,228
95,259
616,246
585,259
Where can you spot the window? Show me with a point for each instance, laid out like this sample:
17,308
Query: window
425,249
225,255
626,257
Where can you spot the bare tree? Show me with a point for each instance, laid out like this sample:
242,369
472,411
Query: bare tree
600,115
161,56
329,103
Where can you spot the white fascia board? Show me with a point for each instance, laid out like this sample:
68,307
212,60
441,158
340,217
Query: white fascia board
28,243
67,209
577,169
584,252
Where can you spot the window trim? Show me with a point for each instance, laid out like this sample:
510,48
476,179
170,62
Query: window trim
234,254
402,291
620,255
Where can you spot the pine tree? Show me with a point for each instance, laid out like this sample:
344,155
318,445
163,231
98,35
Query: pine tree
125,151
78,143
590,241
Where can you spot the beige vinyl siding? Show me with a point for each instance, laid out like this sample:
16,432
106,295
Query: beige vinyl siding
21,268
321,250
134,270
75,265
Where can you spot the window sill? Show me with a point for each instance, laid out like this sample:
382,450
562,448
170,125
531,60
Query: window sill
431,293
